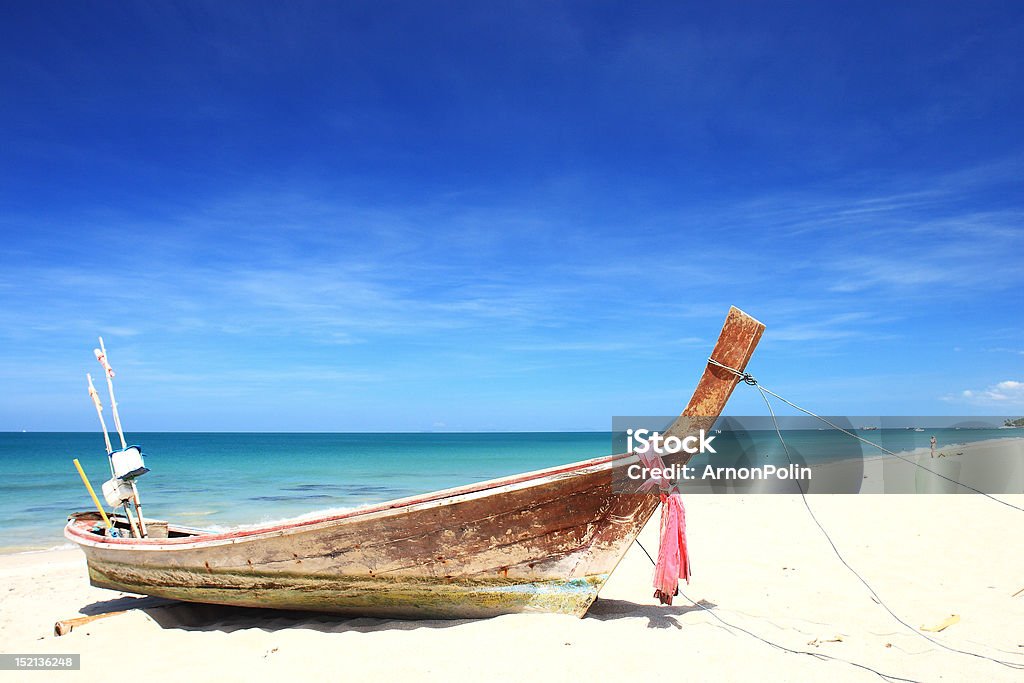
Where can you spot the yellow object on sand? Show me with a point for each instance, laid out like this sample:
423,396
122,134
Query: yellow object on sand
88,486
818,641
950,620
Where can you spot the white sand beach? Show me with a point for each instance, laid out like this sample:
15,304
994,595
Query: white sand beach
413,308
759,562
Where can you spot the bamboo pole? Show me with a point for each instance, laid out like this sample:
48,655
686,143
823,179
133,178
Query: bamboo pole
136,527
138,508
94,395
101,356
88,487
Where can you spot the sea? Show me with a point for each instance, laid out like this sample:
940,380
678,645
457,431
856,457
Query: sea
221,480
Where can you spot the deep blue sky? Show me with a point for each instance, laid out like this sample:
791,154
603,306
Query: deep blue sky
361,216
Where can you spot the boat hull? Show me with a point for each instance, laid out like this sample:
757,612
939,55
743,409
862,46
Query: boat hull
540,541
402,597
546,543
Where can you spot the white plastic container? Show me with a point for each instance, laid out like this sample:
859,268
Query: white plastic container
128,463
116,492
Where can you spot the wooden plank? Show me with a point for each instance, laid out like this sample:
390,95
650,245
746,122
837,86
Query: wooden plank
66,626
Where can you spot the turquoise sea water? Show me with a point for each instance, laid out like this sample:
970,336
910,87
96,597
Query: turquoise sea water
221,479
216,480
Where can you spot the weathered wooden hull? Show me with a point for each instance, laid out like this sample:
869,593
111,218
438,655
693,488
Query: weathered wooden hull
541,541
511,547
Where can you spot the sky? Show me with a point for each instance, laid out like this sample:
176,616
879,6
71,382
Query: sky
315,216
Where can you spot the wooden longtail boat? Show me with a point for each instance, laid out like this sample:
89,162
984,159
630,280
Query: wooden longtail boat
541,541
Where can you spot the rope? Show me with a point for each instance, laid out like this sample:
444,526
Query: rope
803,496
749,379
816,655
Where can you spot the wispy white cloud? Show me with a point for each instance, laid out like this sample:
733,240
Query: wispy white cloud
574,346
1008,393
863,273
811,329
1019,352
508,288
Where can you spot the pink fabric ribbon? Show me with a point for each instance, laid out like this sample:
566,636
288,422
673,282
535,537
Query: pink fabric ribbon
651,460
673,559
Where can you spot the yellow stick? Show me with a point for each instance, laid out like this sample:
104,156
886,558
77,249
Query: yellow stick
95,500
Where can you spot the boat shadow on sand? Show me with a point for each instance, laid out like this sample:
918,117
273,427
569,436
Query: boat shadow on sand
658,616
186,616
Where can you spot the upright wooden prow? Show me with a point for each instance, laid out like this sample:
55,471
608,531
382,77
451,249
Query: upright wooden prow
736,343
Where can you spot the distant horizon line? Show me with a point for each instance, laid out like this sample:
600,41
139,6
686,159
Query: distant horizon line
259,431
479,431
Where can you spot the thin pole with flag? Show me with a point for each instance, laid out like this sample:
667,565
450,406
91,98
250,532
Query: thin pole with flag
101,356
94,395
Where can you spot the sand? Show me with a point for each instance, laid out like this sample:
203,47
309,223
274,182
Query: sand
760,564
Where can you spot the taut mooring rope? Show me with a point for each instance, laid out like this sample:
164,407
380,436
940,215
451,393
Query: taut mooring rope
749,379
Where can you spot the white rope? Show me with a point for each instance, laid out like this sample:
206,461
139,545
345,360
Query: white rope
749,379
817,655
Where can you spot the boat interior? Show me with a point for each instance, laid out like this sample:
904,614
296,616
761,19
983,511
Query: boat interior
155,528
